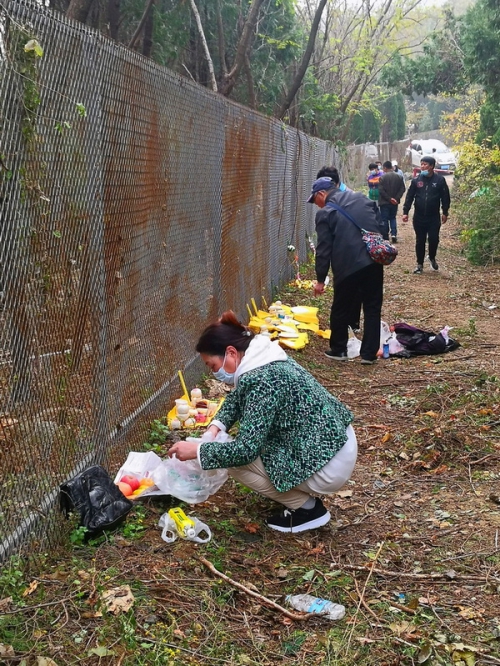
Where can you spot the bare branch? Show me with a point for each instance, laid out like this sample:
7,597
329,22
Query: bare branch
208,58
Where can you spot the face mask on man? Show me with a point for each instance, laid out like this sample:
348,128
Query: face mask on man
373,172
223,376
424,172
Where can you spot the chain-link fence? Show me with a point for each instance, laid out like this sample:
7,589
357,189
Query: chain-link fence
135,207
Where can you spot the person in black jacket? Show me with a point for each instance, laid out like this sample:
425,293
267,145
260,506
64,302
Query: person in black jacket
428,192
340,246
391,188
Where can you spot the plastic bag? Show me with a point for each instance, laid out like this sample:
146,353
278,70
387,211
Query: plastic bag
141,465
170,533
186,480
395,347
385,333
353,345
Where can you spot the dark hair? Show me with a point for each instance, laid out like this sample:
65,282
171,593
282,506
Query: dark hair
329,172
429,160
372,165
226,331
387,164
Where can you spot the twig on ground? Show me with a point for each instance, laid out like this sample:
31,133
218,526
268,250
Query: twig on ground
256,595
401,574
362,595
402,607
471,484
476,462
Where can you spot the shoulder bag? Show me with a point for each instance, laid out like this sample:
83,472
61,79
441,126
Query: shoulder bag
379,249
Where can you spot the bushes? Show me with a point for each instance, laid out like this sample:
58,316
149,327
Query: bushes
477,193
480,217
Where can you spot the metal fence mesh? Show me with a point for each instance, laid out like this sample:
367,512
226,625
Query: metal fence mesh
135,206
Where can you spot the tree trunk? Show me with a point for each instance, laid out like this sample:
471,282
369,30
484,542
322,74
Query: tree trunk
231,77
79,9
252,102
114,18
142,22
204,44
221,41
297,82
147,41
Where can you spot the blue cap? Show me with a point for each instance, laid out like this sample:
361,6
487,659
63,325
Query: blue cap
324,183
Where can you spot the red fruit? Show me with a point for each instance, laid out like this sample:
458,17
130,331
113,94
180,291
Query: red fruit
131,480
125,488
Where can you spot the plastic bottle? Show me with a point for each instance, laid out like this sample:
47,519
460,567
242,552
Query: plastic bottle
184,525
174,526
310,604
385,350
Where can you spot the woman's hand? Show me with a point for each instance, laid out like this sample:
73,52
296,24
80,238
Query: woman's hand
184,450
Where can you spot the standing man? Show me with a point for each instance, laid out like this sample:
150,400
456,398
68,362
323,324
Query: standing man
391,188
355,275
429,191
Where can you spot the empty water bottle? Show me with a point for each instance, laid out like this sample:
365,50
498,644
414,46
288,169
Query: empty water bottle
309,604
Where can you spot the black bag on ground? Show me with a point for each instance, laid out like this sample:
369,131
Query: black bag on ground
417,342
92,494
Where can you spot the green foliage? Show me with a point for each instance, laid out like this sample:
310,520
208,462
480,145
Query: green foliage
365,127
12,579
135,525
157,435
480,36
393,118
477,188
481,233
78,535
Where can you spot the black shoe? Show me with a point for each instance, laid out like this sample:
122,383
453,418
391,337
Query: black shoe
419,269
368,361
336,357
299,520
434,264
394,239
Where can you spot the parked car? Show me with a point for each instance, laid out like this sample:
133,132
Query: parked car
445,158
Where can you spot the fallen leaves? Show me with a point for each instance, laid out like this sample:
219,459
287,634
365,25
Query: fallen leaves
251,528
118,599
31,588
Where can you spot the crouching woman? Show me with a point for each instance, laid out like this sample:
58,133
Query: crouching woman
294,441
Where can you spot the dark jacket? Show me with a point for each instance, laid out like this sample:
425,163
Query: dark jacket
428,194
391,186
340,244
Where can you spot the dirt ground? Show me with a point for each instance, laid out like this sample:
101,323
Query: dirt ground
412,550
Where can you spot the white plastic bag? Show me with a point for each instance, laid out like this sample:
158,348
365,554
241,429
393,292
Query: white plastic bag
141,465
186,480
394,345
169,532
385,334
353,345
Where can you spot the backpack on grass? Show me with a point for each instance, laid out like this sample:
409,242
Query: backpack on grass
417,342
95,497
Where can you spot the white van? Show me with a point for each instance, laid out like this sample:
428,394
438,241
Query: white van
445,159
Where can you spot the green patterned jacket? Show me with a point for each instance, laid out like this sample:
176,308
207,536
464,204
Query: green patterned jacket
286,417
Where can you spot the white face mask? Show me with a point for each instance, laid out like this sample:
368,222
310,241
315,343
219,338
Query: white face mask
223,376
